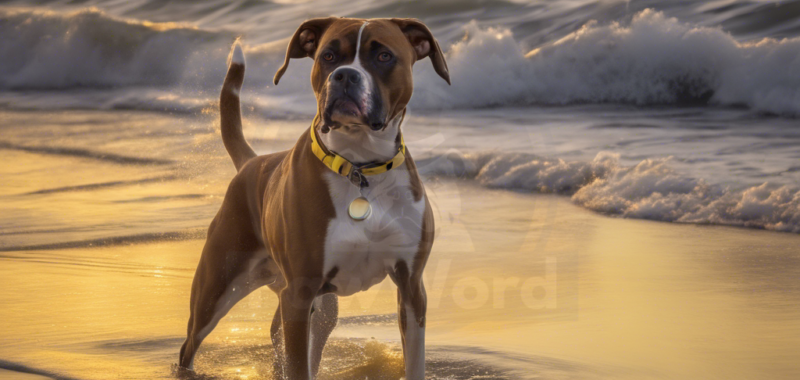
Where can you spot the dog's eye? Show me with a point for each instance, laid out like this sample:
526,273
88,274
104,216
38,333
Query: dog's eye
384,57
328,56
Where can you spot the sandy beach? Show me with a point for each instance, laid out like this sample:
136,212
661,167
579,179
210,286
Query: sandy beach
99,249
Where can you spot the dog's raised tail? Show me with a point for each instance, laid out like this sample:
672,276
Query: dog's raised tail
230,111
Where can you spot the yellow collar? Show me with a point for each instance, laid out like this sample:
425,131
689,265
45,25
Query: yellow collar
355,173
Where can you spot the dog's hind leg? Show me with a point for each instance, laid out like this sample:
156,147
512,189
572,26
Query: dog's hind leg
324,315
229,270
214,293
276,333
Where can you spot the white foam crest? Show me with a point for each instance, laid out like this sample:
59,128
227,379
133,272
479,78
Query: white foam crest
648,190
652,60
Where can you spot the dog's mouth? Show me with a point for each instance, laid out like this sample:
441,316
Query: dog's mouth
344,112
347,107
347,114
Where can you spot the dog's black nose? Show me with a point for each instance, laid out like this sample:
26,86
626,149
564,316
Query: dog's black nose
346,75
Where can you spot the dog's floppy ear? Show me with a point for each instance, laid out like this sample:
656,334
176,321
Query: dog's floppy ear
424,44
304,42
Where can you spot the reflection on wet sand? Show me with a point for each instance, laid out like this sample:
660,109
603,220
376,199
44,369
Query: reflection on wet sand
96,278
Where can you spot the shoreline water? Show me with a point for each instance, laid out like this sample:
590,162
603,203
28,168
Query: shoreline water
630,298
677,171
523,285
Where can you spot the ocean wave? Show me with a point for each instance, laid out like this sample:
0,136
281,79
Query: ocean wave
652,60
51,50
649,190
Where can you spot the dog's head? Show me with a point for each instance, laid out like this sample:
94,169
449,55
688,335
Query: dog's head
362,75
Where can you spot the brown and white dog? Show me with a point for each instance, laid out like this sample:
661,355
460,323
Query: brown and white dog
284,222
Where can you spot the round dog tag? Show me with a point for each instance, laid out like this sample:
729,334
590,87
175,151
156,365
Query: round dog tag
359,209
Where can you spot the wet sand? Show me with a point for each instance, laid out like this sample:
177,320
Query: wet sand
14,375
96,274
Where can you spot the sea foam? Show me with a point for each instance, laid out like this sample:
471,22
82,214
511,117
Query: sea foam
653,59
650,189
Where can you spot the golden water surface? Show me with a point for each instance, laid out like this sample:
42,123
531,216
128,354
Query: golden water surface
97,253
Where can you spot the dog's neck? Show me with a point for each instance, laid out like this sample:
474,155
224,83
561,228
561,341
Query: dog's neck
362,147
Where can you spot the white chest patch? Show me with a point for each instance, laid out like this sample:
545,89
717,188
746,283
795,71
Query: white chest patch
363,251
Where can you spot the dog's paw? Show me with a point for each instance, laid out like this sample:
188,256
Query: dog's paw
182,373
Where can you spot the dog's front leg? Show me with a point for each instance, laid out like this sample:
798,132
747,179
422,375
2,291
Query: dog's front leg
412,306
295,305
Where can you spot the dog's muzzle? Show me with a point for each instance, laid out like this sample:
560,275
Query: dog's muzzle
351,100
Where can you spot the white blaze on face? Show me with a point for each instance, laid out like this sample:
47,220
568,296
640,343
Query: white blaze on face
357,59
366,82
